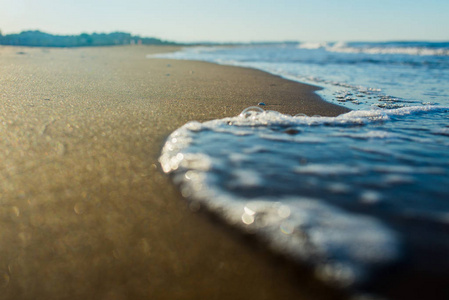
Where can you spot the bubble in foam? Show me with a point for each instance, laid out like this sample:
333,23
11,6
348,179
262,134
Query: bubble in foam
251,111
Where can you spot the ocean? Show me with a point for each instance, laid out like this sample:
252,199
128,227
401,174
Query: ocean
353,196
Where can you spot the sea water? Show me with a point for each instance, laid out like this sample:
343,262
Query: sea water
349,196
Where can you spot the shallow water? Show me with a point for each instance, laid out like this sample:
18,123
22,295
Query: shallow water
320,189
356,75
350,195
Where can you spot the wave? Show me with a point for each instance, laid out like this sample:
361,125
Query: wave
409,48
313,45
249,170
355,117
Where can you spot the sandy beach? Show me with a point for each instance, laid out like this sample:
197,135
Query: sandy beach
86,213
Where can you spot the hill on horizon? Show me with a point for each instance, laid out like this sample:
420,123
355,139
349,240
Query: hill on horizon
36,38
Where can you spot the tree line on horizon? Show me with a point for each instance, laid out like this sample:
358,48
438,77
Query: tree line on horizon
36,38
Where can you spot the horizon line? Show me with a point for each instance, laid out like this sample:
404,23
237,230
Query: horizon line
230,41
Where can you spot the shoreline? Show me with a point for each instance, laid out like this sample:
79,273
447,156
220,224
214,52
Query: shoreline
86,211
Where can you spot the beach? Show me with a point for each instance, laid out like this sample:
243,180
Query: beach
86,212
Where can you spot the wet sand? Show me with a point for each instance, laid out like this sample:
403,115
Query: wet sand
86,213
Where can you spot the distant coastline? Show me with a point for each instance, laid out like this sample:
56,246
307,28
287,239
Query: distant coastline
36,38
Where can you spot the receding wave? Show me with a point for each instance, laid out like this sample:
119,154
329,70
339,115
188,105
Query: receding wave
320,190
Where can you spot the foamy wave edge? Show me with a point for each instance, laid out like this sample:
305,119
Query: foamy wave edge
254,116
291,226
345,48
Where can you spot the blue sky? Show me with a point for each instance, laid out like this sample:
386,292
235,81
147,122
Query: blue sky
235,20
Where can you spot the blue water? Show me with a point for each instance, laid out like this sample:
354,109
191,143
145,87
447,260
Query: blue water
348,195
381,74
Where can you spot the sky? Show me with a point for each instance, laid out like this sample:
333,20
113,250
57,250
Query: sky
235,20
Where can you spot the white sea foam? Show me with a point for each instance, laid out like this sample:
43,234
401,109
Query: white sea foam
356,117
343,247
421,51
367,48
313,45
